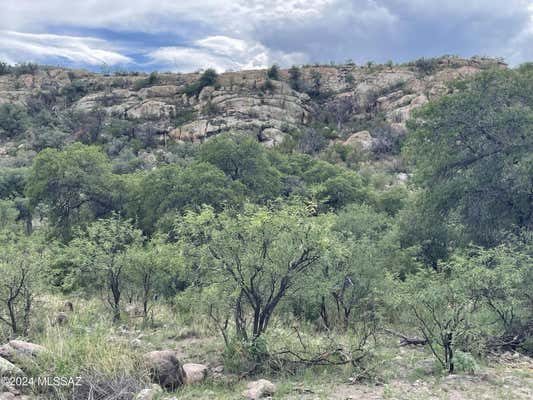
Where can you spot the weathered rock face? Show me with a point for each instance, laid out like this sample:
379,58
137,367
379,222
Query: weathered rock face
247,101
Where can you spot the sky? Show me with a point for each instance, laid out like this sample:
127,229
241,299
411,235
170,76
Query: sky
189,35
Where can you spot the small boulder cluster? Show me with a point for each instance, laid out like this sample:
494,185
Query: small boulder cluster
168,373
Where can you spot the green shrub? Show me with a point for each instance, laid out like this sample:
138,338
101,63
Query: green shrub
14,120
152,79
273,72
5,68
208,78
25,68
465,362
75,90
245,355
295,78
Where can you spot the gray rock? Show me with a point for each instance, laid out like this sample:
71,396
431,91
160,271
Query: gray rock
165,368
195,373
259,389
152,393
9,369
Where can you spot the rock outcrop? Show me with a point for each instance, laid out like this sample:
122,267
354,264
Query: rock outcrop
246,101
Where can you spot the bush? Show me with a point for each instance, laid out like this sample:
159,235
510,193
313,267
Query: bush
426,65
152,79
273,72
295,78
75,91
25,68
5,68
208,78
14,120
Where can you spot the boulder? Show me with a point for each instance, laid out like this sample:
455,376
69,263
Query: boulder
26,348
9,369
7,396
152,393
363,140
19,348
165,368
259,389
271,137
194,373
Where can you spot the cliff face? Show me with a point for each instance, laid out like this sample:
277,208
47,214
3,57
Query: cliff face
344,98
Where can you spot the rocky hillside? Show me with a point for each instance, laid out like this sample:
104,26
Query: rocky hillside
366,106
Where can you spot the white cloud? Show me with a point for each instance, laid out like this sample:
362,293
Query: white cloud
21,46
252,33
222,53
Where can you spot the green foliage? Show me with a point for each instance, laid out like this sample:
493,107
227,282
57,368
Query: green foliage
12,182
21,266
295,78
254,258
273,72
75,184
152,79
472,153
101,256
343,189
75,91
25,69
173,189
426,66
14,120
245,161
208,78
5,68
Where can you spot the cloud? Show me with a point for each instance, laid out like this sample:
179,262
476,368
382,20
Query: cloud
249,33
221,53
21,46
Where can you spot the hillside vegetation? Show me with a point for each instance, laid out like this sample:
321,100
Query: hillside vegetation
342,231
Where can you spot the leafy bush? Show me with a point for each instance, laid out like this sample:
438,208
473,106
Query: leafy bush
5,68
152,79
14,120
75,90
208,78
273,72
295,78
426,65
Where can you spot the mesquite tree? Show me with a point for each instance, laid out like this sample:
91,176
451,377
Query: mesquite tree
256,258
100,252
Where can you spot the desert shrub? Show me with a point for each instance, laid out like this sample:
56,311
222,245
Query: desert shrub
25,68
14,120
208,78
273,72
5,68
152,79
295,78
75,90
426,66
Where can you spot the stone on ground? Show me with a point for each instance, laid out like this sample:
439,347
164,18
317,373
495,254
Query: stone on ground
259,389
165,368
194,373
